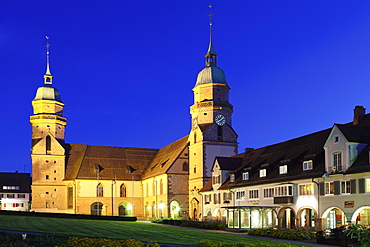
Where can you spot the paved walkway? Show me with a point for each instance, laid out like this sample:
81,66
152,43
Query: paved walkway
306,243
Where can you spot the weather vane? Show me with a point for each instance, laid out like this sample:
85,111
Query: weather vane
210,14
47,44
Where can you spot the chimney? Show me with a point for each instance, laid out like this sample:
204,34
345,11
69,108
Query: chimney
359,113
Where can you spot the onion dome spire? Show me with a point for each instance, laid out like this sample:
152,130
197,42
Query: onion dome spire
47,91
211,53
211,73
48,77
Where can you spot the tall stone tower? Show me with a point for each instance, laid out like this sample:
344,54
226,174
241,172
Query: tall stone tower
212,133
48,153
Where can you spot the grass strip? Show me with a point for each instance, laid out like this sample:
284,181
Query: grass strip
119,230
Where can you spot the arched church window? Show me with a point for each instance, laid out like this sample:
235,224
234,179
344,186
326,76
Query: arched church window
195,137
99,190
48,144
154,192
122,191
185,166
161,187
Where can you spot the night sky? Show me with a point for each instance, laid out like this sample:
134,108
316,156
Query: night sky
126,69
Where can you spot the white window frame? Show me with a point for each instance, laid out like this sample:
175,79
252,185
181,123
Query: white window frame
232,178
240,195
253,194
207,198
337,161
283,169
245,175
263,173
216,198
268,192
336,139
307,165
283,190
345,187
306,189
217,179
227,196
329,188
367,185
10,187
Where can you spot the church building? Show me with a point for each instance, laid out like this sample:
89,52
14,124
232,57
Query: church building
143,182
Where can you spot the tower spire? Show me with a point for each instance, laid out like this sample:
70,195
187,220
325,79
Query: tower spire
47,77
211,53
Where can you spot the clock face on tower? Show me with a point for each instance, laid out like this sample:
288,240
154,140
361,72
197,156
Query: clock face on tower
220,120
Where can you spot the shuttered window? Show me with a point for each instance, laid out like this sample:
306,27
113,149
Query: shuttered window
361,185
322,188
353,186
336,187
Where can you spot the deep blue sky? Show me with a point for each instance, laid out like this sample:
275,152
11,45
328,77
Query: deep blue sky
125,69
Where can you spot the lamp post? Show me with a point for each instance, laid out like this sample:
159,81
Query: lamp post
113,183
99,168
130,171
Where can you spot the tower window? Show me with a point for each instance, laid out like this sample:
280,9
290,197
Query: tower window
47,177
70,197
195,170
48,145
122,191
205,113
219,133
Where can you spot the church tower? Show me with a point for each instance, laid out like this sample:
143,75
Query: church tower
212,133
48,153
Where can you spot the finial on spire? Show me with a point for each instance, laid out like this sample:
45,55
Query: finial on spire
211,53
210,14
47,76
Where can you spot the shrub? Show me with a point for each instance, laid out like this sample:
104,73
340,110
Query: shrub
283,233
359,233
100,242
240,244
13,240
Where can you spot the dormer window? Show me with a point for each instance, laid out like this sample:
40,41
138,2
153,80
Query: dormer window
337,162
245,175
217,179
336,138
283,169
232,178
263,173
307,165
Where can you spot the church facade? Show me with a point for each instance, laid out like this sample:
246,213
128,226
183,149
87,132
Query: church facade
147,183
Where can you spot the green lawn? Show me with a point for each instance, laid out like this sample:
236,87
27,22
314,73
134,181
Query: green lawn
117,229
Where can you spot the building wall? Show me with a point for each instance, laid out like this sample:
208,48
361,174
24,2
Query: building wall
14,204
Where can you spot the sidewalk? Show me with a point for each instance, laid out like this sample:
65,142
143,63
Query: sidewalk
305,243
